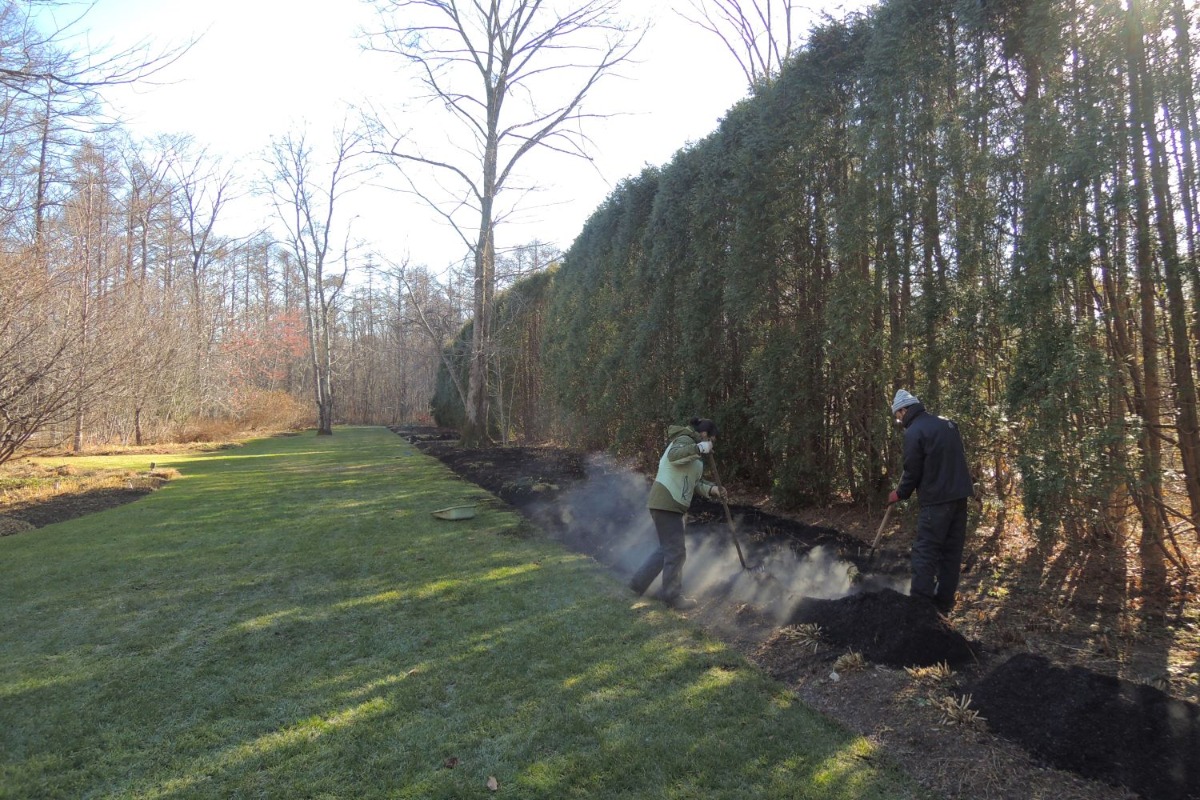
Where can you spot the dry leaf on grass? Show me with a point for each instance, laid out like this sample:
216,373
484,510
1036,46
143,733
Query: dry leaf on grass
492,783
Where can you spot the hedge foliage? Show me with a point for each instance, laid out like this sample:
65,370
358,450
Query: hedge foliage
991,205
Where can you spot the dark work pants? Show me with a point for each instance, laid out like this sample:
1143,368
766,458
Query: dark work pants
937,552
667,559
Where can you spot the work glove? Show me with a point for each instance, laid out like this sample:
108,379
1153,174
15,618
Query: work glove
893,497
704,447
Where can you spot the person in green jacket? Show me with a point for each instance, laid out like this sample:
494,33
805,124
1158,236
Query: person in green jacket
680,475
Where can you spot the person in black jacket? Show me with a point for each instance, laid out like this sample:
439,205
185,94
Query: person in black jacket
935,466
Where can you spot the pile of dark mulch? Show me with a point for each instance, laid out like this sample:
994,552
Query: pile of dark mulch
888,628
1099,726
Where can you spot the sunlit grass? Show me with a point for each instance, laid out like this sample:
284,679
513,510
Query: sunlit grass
288,620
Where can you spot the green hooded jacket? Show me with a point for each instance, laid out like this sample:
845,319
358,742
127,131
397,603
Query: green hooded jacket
679,472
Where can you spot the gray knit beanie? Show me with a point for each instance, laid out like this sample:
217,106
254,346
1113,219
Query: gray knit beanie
903,400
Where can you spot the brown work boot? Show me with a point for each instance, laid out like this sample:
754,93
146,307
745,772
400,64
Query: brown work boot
681,603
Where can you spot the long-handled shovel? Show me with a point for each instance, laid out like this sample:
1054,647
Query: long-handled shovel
878,534
712,463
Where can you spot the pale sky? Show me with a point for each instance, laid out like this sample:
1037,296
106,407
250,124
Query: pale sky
262,67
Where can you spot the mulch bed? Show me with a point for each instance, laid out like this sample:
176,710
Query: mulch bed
1097,725
69,506
1076,719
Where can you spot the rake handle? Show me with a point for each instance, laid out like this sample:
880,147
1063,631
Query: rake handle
882,524
712,463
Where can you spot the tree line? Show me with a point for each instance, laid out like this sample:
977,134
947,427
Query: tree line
990,204
129,314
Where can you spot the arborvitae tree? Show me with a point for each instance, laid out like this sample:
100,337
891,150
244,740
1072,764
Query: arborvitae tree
520,411
978,202
446,403
587,333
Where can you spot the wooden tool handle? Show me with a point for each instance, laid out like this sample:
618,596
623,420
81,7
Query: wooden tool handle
883,524
712,463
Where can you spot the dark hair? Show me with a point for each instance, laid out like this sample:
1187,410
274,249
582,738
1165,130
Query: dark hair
700,425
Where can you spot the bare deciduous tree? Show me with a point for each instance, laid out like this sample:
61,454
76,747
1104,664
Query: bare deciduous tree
36,379
50,91
55,292
203,188
758,33
306,198
37,56
512,75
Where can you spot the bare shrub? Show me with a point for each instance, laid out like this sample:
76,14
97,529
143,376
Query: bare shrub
207,430
272,411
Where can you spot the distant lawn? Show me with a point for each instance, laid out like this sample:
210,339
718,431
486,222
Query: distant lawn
286,620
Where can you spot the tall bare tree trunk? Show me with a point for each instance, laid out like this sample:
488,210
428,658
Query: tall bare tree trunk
477,431
43,172
1189,133
499,43
1121,399
1153,541
1187,427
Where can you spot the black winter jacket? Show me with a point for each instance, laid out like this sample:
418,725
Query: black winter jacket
935,464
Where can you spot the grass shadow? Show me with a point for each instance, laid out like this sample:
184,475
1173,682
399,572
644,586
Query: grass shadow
289,620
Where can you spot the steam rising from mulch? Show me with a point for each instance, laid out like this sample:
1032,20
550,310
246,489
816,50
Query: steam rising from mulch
1074,718
1097,725
888,628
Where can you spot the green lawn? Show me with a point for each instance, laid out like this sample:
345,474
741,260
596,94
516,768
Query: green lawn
286,620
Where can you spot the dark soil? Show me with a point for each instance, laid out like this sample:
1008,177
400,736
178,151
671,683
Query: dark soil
888,628
1041,731
69,506
1096,725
